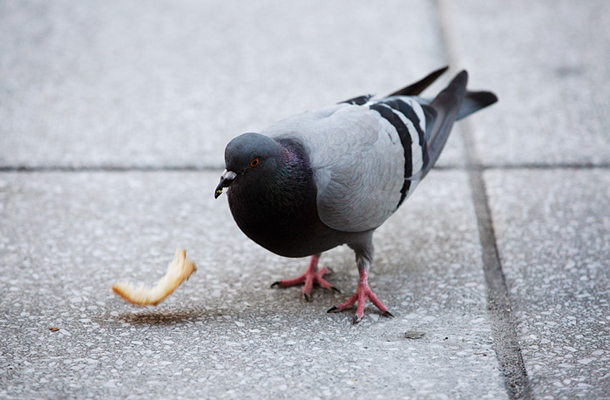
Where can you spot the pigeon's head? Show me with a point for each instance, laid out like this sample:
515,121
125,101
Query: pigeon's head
249,158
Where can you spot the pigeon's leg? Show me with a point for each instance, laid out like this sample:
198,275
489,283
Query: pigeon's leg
364,259
312,276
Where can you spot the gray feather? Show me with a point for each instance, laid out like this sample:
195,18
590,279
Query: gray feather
357,161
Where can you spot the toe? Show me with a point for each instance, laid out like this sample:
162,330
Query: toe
333,309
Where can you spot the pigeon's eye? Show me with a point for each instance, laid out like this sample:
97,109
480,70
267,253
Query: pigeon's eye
254,162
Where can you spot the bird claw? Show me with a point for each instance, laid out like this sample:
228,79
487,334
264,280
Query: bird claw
311,277
362,294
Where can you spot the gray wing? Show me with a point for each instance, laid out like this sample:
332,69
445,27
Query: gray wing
358,162
368,156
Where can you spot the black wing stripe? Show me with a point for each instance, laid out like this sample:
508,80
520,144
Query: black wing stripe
406,141
360,100
410,114
407,110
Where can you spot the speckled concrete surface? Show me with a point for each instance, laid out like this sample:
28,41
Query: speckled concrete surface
553,230
120,86
225,332
546,60
168,83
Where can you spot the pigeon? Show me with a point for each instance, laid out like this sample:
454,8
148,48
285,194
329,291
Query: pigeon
333,175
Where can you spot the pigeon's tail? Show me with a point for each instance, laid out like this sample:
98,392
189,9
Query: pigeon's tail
451,104
441,113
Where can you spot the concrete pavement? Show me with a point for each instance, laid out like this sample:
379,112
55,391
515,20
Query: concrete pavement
113,121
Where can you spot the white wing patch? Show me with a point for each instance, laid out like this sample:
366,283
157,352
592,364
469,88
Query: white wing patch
357,161
416,148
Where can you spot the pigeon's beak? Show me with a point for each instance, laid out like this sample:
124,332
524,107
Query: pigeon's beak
226,179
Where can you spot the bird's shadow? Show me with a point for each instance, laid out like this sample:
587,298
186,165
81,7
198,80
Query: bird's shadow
149,316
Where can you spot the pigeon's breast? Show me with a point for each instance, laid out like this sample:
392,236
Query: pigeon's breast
278,210
287,227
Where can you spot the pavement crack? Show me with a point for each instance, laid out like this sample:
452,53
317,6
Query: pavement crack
506,340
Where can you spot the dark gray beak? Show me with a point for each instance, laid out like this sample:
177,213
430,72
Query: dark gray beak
226,179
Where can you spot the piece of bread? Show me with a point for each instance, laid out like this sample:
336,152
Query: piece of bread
178,271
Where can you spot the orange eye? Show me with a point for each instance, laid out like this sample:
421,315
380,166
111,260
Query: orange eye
254,162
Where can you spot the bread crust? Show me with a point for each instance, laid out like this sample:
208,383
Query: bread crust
179,270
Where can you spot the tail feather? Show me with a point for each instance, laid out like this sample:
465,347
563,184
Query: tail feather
419,86
413,89
475,101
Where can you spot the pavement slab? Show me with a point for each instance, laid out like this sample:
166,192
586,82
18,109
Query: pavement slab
547,62
113,121
66,237
553,235
118,84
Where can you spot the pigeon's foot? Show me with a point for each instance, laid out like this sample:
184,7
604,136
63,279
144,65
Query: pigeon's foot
362,294
311,277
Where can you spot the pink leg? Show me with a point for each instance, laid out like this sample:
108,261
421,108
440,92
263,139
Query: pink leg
312,276
363,293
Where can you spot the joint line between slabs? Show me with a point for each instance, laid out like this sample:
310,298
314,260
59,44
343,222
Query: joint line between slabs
108,168
506,341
